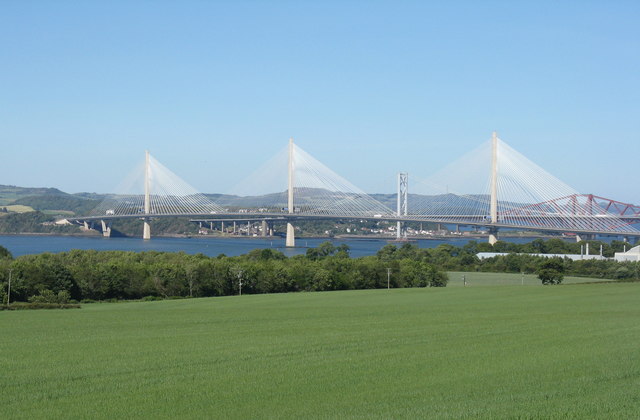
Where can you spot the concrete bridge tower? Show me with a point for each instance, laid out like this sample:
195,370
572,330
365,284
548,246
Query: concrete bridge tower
493,210
146,234
403,204
291,239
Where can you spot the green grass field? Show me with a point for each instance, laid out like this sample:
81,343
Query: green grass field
508,279
19,208
58,212
478,352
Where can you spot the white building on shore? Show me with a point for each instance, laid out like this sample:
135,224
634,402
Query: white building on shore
631,255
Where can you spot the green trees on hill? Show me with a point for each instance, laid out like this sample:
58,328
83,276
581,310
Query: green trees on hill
33,222
78,205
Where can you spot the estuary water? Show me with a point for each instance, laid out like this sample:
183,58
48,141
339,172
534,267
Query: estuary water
32,244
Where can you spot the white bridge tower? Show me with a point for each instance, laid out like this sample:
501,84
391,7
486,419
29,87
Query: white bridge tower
291,238
403,204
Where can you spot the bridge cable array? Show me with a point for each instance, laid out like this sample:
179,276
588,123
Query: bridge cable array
462,192
527,195
317,189
168,194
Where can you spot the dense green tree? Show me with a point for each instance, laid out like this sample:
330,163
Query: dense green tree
132,275
551,271
4,253
327,249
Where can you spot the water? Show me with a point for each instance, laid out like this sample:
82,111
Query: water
22,245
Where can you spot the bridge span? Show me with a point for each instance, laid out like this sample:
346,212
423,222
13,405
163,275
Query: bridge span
517,195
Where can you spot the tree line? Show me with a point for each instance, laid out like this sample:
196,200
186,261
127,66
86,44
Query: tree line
104,275
447,257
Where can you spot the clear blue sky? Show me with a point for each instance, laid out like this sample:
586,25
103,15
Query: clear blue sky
213,89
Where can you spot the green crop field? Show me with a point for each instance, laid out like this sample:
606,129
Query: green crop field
457,278
59,212
570,351
18,208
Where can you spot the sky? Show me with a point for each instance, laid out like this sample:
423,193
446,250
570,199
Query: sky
215,89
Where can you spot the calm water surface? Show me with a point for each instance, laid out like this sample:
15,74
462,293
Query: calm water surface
22,245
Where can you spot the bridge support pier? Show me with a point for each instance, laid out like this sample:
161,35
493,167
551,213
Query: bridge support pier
222,228
146,232
106,229
585,237
493,235
291,236
401,231
265,228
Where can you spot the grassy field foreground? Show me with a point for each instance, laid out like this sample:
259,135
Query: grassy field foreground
496,351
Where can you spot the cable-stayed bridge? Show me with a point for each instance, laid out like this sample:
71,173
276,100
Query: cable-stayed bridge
493,187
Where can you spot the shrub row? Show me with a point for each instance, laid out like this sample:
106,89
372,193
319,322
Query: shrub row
80,275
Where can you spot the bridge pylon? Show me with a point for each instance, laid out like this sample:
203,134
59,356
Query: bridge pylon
493,209
146,233
106,228
291,234
403,204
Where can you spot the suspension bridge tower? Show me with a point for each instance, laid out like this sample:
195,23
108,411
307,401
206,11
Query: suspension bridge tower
146,234
291,239
493,207
402,205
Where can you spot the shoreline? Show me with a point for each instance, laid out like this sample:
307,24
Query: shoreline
338,237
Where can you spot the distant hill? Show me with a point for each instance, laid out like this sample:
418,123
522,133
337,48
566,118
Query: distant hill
66,203
40,207
55,201
48,200
10,193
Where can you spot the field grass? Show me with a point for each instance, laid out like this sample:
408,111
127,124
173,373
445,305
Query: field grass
511,279
18,208
58,212
474,352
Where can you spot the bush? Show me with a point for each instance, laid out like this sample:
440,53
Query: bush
551,271
549,276
37,305
439,279
47,296
4,253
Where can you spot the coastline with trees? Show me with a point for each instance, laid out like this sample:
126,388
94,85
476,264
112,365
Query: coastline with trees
88,275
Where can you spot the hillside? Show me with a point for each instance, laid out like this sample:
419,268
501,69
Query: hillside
40,207
59,204
10,193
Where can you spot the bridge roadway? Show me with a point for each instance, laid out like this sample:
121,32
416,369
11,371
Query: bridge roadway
481,221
